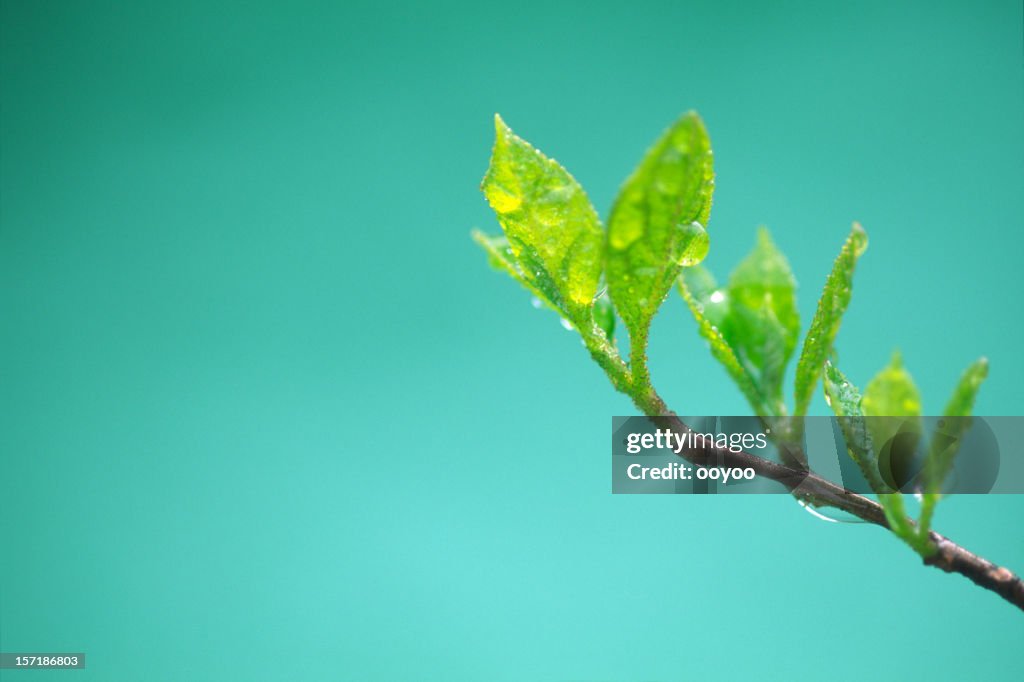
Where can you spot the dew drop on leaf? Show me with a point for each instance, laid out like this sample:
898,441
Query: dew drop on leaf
694,243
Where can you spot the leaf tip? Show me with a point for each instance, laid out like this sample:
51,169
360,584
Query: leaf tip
502,132
859,236
979,370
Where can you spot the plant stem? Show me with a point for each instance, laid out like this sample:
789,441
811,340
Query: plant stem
605,355
639,371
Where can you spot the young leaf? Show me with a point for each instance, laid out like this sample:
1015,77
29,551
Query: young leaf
892,400
945,443
845,400
657,223
755,316
604,316
961,404
891,393
833,302
555,238
762,324
841,395
709,310
702,286
500,257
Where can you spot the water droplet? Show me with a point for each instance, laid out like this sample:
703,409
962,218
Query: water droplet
717,297
840,517
695,244
566,324
536,303
814,512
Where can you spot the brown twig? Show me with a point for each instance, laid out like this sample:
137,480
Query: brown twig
806,485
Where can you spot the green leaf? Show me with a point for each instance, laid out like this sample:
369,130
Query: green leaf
892,392
893,402
604,315
704,289
500,257
555,239
961,404
657,223
851,408
946,441
762,324
755,317
833,302
709,311
889,400
845,400
841,395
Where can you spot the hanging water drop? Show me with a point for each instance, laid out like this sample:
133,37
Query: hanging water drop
536,303
566,324
844,518
814,512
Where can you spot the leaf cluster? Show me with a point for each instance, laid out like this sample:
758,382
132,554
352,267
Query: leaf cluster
555,245
886,420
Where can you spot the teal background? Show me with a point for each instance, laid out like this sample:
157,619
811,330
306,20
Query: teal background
266,414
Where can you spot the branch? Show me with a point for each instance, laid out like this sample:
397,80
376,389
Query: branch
806,485
803,484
